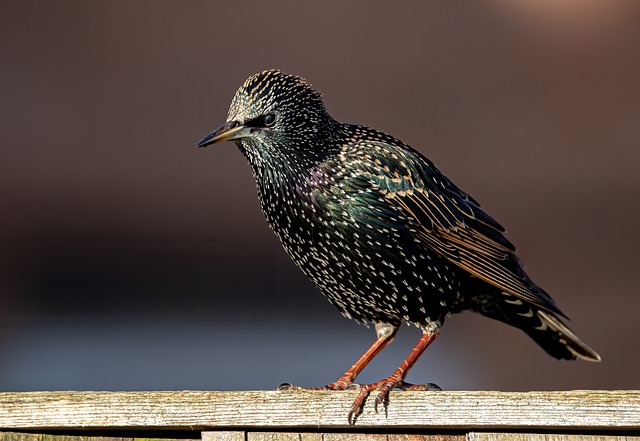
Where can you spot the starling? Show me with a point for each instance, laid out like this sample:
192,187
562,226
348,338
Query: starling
381,232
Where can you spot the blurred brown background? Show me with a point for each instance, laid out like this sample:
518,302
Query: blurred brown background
131,260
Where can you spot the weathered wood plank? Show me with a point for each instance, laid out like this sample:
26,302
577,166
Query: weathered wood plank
348,436
472,436
487,436
283,436
235,435
311,436
17,436
459,410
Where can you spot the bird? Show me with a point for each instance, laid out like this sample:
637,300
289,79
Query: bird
380,230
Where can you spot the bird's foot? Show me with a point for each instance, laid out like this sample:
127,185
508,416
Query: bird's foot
384,387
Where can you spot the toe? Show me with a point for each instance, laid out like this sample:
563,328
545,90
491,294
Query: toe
358,404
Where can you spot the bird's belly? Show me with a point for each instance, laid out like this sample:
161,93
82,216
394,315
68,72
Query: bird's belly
388,280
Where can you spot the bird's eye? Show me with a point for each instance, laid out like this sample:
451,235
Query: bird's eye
269,119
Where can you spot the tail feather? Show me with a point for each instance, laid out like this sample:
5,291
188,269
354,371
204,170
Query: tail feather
542,325
559,341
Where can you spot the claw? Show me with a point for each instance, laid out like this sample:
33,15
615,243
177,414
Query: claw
422,387
379,400
289,386
383,396
352,418
358,405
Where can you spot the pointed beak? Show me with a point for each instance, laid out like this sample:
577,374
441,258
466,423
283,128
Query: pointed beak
228,131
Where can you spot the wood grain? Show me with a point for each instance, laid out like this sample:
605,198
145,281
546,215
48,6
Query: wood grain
451,410
17,436
485,436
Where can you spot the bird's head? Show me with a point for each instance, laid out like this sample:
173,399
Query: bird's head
274,113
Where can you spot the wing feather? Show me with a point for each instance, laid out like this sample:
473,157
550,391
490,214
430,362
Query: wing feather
448,221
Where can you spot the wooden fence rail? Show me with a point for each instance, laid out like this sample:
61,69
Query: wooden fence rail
320,415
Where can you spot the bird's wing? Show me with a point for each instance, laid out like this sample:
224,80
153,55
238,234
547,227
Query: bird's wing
444,218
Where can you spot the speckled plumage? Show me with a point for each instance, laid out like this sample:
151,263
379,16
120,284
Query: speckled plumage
383,234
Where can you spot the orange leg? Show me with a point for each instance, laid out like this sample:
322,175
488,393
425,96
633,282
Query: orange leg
348,377
394,380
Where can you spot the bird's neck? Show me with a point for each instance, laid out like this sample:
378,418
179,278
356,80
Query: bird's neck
282,178
291,163
285,179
